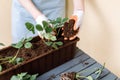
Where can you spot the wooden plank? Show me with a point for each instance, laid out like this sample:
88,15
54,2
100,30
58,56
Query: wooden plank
81,66
90,69
63,67
78,64
110,76
105,73
77,68
78,52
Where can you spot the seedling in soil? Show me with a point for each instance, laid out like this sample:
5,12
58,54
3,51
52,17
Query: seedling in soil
54,44
47,29
50,39
23,43
77,76
57,24
24,76
51,31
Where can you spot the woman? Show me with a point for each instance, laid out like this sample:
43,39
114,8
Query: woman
36,11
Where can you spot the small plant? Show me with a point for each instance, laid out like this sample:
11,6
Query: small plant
54,44
50,31
77,75
24,76
23,43
57,24
98,72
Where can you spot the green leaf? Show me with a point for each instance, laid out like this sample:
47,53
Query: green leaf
58,20
28,45
45,24
39,27
27,77
22,40
30,27
48,29
49,36
53,38
64,20
0,68
89,78
18,60
1,44
52,21
54,46
77,76
29,39
22,75
48,43
59,43
34,77
18,45
14,78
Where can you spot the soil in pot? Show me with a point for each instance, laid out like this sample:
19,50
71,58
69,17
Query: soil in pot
38,48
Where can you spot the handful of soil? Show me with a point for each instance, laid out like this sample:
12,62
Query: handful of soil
68,29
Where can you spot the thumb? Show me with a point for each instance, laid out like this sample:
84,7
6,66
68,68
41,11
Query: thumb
74,17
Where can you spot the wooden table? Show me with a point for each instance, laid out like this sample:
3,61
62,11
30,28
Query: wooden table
81,63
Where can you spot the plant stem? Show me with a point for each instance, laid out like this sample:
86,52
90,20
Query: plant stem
27,33
81,77
100,71
58,31
3,59
15,56
4,62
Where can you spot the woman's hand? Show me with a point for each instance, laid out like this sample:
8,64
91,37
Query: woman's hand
39,20
78,17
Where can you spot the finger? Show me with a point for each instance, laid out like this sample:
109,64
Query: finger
75,18
74,28
65,38
71,38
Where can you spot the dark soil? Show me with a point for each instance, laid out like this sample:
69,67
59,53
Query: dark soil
68,29
38,48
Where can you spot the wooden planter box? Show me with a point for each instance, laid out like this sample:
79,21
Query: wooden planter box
43,62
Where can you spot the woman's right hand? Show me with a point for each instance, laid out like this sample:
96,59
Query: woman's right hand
39,20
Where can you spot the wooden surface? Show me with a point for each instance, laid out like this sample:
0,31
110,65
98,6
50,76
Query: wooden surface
81,63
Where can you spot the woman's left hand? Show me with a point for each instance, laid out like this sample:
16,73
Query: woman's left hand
78,17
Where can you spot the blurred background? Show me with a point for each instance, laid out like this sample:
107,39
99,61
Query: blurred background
99,34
